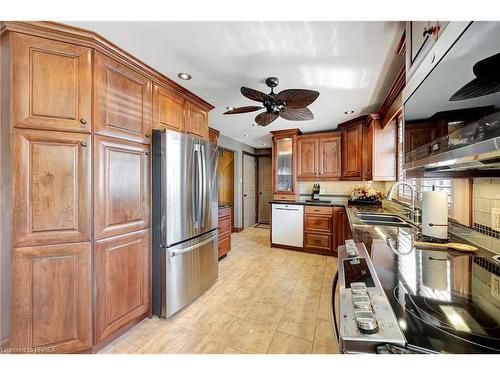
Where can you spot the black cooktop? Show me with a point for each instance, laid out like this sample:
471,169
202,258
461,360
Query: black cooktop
446,302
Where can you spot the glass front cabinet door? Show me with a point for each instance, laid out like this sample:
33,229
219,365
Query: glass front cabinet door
284,162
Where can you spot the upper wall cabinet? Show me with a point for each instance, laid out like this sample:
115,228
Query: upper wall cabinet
318,156
52,184
196,121
52,85
122,101
284,164
420,37
168,109
352,149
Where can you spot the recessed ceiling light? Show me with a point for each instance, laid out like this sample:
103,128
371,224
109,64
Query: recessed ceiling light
263,144
247,135
348,112
184,76
229,108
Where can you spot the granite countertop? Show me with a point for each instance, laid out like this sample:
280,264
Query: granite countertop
225,204
332,202
393,236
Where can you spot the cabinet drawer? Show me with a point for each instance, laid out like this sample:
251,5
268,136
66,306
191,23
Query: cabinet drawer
318,223
318,210
224,226
223,212
284,197
322,241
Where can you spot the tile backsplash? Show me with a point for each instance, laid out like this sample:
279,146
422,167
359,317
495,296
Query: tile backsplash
486,207
337,187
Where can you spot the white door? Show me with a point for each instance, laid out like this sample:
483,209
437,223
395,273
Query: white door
249,195
265,188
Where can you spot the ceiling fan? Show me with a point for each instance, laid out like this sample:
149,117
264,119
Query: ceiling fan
288,104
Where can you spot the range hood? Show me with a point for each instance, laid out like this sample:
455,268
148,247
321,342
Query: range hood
482,158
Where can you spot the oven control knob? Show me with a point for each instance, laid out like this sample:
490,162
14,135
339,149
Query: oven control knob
358,288
361,302
351,249
366,321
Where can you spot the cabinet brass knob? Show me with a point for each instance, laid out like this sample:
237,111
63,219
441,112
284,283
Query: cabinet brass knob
83,121
148,153
83,144
148,136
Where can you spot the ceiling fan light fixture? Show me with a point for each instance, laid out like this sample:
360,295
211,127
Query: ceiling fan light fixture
348,112
184,76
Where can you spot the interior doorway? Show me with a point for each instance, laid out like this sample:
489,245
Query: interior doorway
225,179
249,190
265,188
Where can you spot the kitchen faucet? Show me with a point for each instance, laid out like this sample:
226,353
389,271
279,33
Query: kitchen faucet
414,213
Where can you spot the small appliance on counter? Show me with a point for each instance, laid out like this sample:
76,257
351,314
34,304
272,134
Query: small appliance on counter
435,214
315,192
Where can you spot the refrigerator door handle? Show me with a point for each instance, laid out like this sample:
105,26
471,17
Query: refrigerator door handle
194,187
174,253
200,185
204,187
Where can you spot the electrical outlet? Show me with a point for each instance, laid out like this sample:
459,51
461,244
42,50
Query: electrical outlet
495,286
495,219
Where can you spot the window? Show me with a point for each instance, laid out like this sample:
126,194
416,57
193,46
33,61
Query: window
419,184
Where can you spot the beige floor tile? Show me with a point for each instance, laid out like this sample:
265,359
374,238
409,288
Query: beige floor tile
299,318
230,350
324,341
275,296
283,343
241,302
257,330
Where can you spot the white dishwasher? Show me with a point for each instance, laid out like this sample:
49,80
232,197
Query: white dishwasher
288,224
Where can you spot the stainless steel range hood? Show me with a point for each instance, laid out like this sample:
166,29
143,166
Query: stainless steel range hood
482,157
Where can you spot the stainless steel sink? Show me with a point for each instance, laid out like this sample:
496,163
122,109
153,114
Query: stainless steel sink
381,219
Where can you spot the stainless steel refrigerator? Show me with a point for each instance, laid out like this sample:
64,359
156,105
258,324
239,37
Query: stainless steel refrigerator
184,219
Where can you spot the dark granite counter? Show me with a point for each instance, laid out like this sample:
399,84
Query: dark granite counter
225,204
336,202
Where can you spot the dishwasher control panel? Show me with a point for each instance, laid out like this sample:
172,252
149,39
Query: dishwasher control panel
366,319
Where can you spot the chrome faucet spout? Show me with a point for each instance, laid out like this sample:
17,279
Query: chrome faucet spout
394,187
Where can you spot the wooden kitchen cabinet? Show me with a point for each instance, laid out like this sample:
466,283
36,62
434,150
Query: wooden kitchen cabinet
319,156
52,85
341,228
284,164
224,231
420,38
122,280
318,229
213,135
307,157
122,101
352,149
196,120
52,184
52,298
168,109
121,186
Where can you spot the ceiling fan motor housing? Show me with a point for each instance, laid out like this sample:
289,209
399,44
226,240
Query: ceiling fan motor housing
272,82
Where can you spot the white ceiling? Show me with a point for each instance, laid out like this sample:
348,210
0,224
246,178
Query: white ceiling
349,63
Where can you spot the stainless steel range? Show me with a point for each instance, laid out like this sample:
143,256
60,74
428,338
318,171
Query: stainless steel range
366,320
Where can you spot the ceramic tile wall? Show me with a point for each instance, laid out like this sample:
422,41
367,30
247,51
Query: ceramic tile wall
337,187
486,196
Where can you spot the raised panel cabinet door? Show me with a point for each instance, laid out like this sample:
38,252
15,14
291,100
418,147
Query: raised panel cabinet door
168,109
307,158
122,287
330,158
121,186
321,223
52,184
122,101
196,121
52,85
52,298
352,152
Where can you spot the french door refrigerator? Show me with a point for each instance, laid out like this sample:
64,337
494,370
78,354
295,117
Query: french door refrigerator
185,208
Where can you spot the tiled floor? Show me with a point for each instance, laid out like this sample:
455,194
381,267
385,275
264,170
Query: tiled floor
265,301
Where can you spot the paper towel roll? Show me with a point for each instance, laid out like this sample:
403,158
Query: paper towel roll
435,212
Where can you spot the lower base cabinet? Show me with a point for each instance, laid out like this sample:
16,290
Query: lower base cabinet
318,229
224,231
122,272
52,299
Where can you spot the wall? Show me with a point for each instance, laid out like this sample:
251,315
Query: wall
237,148
485,199
337,187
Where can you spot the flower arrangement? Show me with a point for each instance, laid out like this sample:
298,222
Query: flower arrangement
365,194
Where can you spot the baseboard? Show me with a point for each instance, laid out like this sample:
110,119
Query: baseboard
287,247
5,343
236,229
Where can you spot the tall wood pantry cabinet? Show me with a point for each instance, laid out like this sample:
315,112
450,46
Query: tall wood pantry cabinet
76,122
